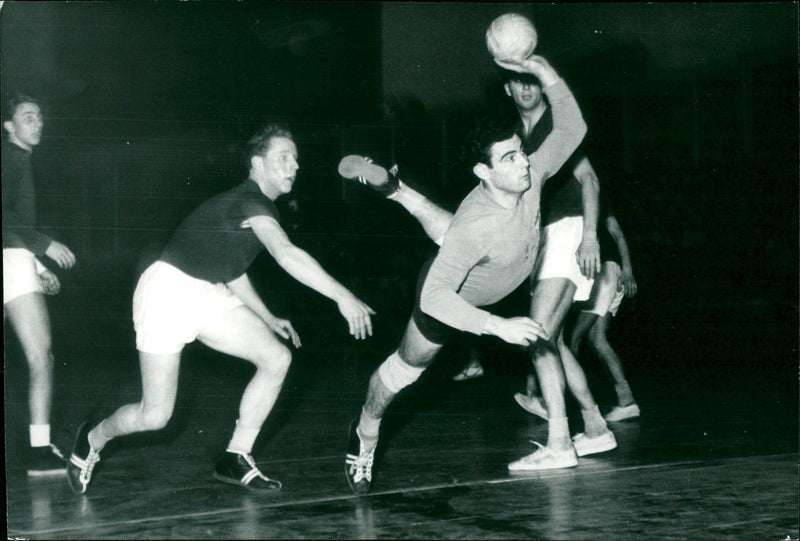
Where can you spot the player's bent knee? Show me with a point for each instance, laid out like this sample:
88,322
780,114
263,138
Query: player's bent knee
276,360
396,374
155,419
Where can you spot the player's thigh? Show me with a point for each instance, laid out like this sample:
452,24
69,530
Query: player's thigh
415,349
550,301
241,333
30,320
159,380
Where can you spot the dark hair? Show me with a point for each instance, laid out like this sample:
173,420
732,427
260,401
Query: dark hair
487,132
260,141
10,105
524,78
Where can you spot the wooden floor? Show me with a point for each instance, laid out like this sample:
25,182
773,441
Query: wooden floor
714,455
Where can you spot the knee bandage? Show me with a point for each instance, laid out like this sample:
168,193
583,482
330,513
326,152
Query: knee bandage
396,374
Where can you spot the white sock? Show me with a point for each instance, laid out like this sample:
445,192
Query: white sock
40,435
368,430
410,200
243,439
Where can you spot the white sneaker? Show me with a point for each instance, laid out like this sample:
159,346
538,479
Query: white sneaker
591,446
545,458
531,404
620,413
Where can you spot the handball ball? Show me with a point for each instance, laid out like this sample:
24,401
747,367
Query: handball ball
511,36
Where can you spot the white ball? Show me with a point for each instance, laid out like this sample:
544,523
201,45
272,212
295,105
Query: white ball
511,36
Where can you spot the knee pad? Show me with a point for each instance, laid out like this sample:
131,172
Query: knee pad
396,374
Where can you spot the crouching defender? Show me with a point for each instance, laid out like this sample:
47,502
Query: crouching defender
199,289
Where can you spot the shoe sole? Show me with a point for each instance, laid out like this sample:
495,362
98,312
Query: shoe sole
47,473
553,467
354,166
616,419
228,480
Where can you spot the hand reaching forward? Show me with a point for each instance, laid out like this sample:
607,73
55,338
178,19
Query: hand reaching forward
357,315
284,329
522,331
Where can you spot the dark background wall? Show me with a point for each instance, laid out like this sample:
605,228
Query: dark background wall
692,110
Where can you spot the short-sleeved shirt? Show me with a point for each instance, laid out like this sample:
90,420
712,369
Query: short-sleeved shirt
19,202
211,244
562,194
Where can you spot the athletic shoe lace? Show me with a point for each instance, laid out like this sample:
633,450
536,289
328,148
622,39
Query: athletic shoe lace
541,452
254,471
361,466
88,465
56,451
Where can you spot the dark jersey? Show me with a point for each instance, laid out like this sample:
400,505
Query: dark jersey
562,194
211,244
19,202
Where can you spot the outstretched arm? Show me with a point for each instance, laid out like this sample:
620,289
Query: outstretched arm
306,270
626,279
243,288
588,254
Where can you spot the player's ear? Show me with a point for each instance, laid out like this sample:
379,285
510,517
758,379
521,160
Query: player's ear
9,126
256,162
481,170
508,90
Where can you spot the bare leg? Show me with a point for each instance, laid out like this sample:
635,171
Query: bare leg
583,323
415,350
153,411
611,361
551,301
241,333
31,323
594,424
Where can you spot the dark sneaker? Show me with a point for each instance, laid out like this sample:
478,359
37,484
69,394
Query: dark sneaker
358,464
362,169
43,461
241,470
82,461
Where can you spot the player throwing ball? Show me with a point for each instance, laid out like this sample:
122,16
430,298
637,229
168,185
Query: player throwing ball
199,289
488,251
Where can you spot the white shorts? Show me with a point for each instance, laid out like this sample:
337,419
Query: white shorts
605,297
560,241
170,308
20,273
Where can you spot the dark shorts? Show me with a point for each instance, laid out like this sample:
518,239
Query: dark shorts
431,328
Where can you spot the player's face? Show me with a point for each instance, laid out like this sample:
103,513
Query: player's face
509,171
25,127
280,164
526,92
